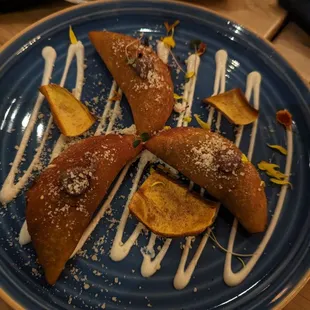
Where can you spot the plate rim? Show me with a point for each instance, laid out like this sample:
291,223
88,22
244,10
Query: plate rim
306,277
188,4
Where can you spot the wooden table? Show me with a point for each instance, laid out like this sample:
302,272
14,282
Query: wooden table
263,17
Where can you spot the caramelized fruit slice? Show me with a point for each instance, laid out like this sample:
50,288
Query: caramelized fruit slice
169,209
234,106
70,115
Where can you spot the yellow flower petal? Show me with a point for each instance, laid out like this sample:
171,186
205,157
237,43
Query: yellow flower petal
169,41
280,148
262,183
281,182
244,158
276,174
177,97
263,165
167,127
201,123
187,119
170,27
72,36
190,74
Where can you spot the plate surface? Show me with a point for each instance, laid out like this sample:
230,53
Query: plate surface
93,280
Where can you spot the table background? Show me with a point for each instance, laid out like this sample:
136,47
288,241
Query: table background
264,17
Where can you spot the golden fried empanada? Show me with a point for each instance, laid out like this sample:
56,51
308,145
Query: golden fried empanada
61,202
142,76
214,163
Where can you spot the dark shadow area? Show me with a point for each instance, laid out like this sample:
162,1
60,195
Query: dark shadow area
7,6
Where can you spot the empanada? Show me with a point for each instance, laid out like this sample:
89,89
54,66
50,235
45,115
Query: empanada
142,76
61,202
215,163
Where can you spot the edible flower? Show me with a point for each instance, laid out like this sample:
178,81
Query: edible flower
201,49
201,123
167,127
72,36
169,40
284,117
264,166
271,170
187,119
198,46
281,182
194,44
280,148
244,159
189,74
177,97
276,176
172,26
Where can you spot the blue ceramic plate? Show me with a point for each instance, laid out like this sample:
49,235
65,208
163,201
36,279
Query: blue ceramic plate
90,282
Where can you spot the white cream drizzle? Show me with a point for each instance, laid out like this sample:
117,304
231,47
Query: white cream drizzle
24,236
163,51
230,277
149,266
107,110
183,275
219,84
193,63
10,190
119,249
115,112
